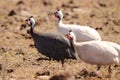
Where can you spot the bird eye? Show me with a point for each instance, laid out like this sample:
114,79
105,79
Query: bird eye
70,30
58,9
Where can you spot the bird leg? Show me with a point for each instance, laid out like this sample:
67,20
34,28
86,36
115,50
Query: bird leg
98,71
77,57
109,69
109,72
62,62
98,67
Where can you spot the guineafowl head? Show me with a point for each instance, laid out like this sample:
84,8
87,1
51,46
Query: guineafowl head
71,35
31,21
59,14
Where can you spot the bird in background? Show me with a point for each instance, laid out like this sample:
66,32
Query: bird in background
82,33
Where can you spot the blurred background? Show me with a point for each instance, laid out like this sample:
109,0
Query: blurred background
19,60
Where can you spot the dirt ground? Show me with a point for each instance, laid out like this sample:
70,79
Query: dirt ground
19,60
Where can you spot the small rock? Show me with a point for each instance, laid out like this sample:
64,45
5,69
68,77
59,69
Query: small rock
23,26
39,59
24,59
47,2
71,2
75,16
32,45
92,15
10,70
7,37
106,23
92,74
84,73
116,66
20,2
63,76
28,31
102,4
98,28
65,6
108,76
66,14
116,32
116,22
20,52
3,49
26,36
42,73
17,65
12,13
34,63
3,25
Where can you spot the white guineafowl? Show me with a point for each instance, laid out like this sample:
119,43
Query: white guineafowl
115,45
95,52
82,33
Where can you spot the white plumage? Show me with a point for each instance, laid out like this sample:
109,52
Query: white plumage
114,45
82,33
95,52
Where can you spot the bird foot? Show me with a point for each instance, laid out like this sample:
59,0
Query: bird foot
98,73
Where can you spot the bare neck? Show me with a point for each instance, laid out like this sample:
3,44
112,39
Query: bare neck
31,30
60,21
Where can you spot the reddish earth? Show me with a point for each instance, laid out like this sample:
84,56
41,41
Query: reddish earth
19,60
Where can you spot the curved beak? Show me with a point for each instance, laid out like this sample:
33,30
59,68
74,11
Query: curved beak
69,37
27,22
56,15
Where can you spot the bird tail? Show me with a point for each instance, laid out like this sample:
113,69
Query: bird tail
117,60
